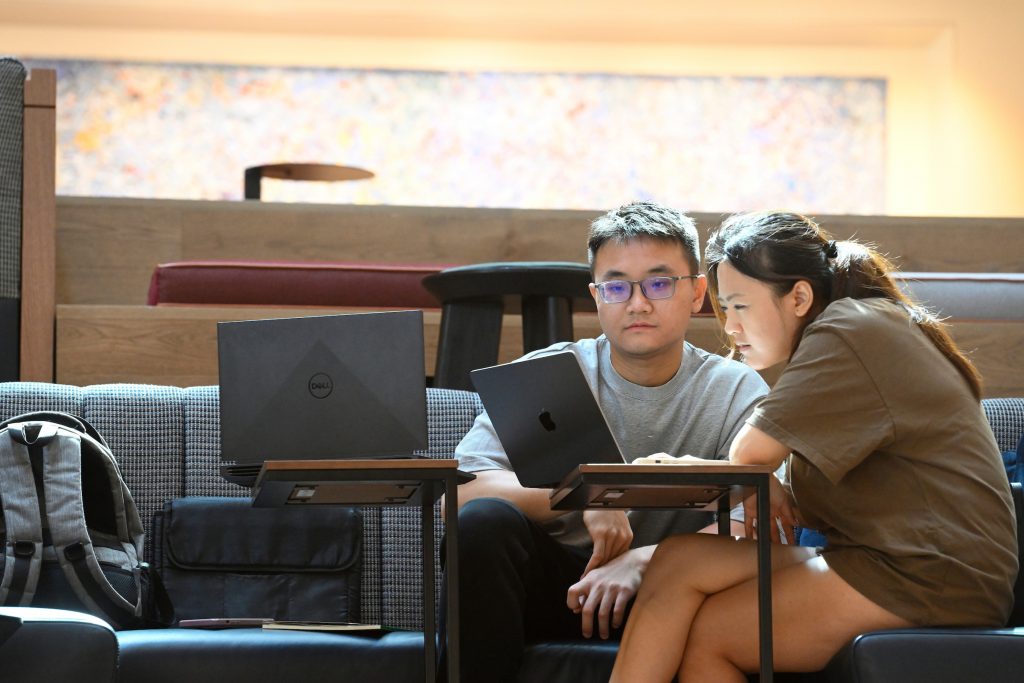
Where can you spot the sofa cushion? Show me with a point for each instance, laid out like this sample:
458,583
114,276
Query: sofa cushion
12,101
258,656
142,424
272,283
1006,417
144,427
930,655
55,645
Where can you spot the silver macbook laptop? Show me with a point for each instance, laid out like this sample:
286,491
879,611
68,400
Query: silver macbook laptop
322,387
546,417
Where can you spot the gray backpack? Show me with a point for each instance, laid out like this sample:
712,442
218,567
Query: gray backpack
71,532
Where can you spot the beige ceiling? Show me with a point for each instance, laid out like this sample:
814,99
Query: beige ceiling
649,21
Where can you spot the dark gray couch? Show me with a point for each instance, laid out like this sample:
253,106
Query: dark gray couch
166,440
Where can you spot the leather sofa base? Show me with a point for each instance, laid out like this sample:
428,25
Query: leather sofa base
50,645
932,655
580,661
258,656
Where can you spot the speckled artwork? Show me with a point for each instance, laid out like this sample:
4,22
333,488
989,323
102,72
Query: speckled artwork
523,140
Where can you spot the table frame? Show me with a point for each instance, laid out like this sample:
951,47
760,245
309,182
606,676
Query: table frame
710,488
401,483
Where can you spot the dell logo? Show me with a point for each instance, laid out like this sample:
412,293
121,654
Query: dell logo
546,421
320,385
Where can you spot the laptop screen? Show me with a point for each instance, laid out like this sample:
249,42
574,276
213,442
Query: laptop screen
322,387
546,417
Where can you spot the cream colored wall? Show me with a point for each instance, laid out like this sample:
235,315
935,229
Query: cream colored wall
956,96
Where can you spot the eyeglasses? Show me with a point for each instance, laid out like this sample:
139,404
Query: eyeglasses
657,287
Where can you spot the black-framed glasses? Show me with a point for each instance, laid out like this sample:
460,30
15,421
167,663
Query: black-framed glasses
657,287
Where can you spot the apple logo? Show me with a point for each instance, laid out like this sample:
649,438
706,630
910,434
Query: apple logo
546,421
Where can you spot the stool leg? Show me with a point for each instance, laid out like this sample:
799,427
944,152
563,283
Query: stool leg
469,339
546,320
253,177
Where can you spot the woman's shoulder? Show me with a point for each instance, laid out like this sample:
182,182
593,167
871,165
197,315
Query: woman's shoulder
860,316
870,307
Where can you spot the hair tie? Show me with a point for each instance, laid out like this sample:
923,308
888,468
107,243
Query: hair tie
830,249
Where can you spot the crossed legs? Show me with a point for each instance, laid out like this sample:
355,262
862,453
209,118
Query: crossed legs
696,613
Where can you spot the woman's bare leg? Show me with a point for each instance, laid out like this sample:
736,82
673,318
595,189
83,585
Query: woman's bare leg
814,613
683,572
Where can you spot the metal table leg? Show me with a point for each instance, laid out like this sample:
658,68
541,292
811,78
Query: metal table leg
764,577
451,518
724,521
429,618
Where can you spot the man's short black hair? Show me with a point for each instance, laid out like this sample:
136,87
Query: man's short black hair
645,220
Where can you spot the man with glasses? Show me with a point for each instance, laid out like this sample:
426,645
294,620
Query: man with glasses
528,573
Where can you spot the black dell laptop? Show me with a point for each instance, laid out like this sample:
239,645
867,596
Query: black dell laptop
320,387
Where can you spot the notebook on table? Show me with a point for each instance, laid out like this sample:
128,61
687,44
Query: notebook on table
221,623
546,416
333,387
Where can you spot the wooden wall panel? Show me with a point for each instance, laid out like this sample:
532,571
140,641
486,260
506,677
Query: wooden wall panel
106,253
177,345
38,227
107,248
995,347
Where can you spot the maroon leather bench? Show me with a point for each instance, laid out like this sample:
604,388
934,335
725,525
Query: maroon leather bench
287,283
270,283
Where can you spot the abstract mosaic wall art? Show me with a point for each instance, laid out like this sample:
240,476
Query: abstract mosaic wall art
522,140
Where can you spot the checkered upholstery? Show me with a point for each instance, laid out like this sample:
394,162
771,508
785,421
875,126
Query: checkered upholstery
144,428
18,398
1006,416
450,414
167,443
12,101
202,446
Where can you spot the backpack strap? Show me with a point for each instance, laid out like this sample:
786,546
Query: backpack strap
66,419
23,549
65,512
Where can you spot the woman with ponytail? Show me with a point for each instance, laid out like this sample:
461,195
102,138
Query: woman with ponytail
877,415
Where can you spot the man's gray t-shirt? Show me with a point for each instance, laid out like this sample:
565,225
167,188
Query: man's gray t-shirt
698,412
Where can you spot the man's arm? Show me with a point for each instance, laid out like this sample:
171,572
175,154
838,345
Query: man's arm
481,453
